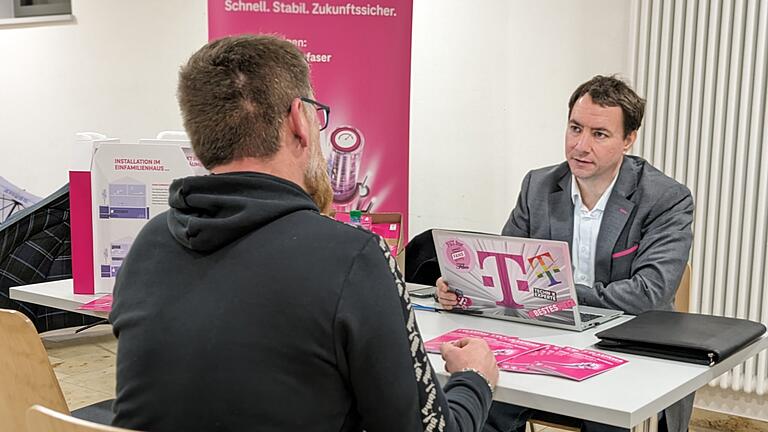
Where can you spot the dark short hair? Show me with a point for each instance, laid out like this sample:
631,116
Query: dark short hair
234,94
611,91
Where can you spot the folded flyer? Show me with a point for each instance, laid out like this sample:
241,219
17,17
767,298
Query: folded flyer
518,355
503,347
566,362
101,304
523,362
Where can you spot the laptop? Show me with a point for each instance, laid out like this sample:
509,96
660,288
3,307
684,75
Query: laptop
514,279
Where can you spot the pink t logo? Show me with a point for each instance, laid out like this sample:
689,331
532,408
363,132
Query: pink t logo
506,287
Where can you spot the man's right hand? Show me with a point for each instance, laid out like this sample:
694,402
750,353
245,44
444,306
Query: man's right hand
445,297
471,353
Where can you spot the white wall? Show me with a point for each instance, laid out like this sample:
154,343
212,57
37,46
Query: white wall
113,70
490,86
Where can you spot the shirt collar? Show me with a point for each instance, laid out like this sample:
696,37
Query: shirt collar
601,203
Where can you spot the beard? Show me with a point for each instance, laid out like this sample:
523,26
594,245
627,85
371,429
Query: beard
317,182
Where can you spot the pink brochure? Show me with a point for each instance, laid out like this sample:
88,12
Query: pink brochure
503,347
101,304
523,362
575,364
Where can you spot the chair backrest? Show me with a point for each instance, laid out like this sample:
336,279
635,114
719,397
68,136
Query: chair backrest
25,372
683,295
421,260
41,419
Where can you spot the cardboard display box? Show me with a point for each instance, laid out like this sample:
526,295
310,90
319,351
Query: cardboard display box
387,225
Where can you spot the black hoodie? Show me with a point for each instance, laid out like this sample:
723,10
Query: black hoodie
244,309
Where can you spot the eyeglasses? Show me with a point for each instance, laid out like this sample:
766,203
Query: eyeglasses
323,112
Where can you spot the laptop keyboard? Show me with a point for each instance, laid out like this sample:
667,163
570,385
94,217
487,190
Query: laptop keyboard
586,317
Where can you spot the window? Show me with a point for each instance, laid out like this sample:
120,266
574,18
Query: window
33,8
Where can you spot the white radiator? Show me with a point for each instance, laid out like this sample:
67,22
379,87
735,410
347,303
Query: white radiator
703,67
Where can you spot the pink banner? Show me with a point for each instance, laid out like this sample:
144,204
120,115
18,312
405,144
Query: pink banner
360,54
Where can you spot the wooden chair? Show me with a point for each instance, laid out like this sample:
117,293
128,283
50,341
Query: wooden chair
683,295
562,425
41,419
25,373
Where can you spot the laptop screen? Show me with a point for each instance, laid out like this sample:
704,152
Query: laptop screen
508,277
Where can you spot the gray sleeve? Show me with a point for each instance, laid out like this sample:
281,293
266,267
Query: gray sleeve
658,265
518,224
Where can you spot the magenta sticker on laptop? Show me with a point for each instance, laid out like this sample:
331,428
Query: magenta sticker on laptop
550,309
458,254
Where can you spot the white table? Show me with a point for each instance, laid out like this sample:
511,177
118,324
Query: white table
56,294
629,396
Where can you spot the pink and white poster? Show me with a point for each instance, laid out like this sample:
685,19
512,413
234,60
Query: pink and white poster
359,54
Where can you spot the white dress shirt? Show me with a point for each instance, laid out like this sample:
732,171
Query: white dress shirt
586,227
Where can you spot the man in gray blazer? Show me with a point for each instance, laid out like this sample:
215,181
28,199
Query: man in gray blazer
643,239
628,225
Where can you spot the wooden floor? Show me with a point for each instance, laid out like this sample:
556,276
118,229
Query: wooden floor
83,363
85,366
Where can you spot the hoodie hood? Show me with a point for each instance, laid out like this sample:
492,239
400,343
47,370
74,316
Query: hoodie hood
210,212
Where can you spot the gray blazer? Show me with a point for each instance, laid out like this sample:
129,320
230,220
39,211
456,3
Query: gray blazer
642,247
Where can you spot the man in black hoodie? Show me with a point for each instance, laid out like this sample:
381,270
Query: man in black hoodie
243,308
